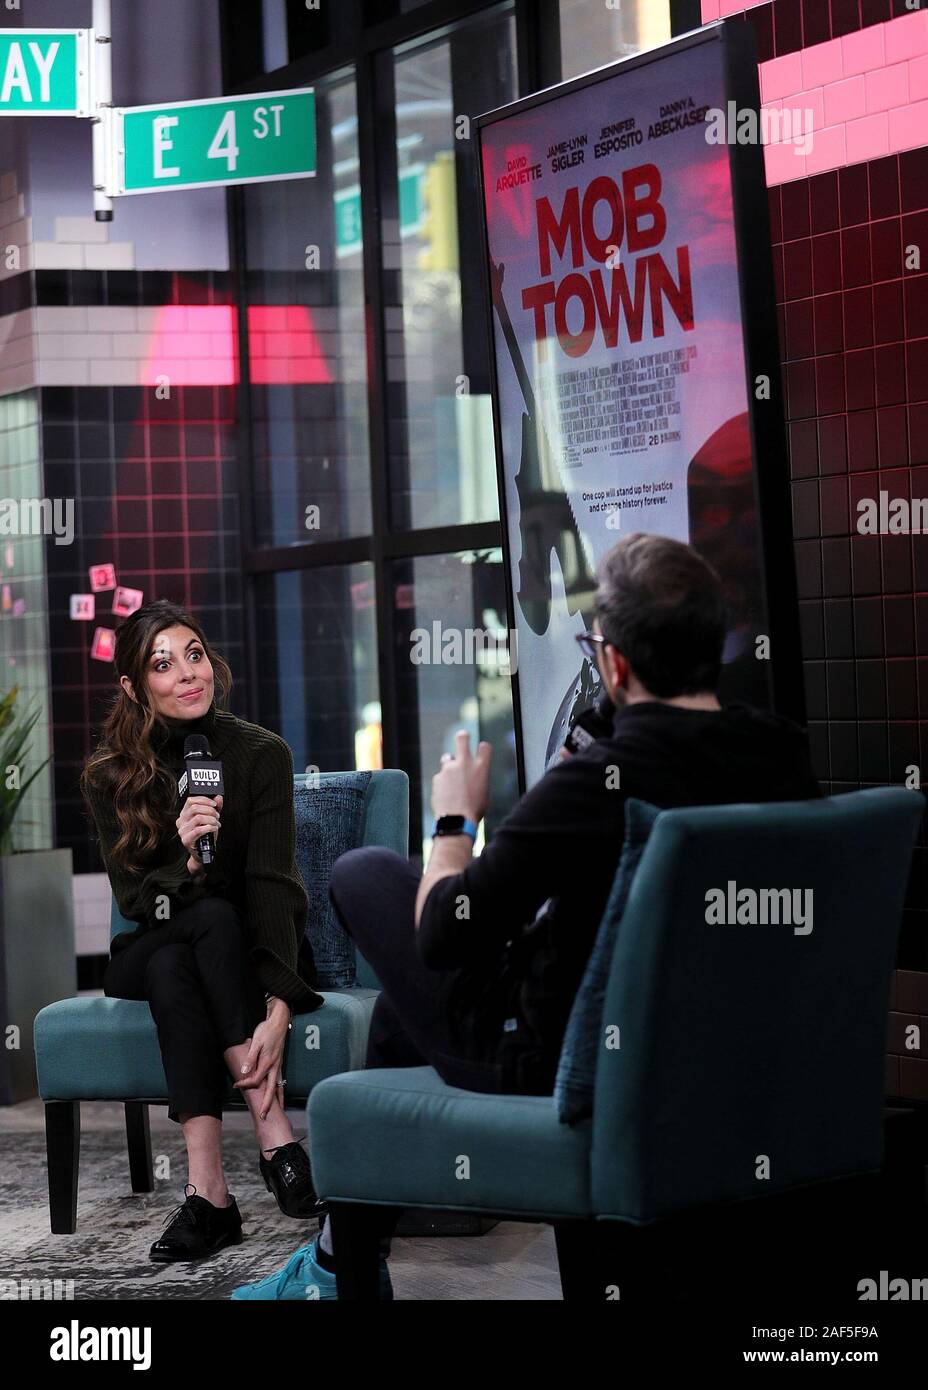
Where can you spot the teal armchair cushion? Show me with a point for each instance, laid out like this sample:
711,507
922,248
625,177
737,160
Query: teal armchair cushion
329,816
583,1037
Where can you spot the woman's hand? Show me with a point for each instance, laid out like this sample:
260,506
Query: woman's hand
200,816
265,1055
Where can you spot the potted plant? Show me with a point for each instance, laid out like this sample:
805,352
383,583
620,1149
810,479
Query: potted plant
37,960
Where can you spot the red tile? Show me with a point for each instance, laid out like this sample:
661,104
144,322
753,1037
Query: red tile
913,1078
826,263
916,368
913,174
800,389
860,379
787,27
799,330
915,299
918,435
886,249
858,317
823,202
884,187
892,437
915,233
829,383
803,449
797,268
816,23
795,199
853,195
845,16
887,312
774,204
890,365
832,444
829,324
855,255
861,440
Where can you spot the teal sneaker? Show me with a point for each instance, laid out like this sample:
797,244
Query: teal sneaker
303,1278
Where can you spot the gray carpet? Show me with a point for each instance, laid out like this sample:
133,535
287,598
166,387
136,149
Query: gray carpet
107,1257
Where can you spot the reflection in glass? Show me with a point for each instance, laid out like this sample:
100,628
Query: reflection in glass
453,662
595,34
317,665
442,451
306,342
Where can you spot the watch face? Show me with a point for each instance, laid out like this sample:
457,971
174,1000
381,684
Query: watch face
449,825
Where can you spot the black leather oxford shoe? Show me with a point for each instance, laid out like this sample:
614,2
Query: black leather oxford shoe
198,1229
287,1174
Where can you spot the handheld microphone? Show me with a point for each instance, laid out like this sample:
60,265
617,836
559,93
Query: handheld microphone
591,724
202,776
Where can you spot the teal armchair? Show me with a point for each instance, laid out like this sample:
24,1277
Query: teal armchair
736,1043
107,1049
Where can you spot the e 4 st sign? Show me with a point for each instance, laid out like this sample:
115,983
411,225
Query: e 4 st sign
44,72
220,140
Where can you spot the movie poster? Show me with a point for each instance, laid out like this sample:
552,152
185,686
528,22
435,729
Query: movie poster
621,394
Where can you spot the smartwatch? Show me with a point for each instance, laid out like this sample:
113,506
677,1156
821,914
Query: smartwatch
454,825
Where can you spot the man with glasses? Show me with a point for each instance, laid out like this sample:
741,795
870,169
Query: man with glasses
480,959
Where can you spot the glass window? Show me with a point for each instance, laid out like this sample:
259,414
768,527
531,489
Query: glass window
317,665
306,341
442,458
594,33
452,663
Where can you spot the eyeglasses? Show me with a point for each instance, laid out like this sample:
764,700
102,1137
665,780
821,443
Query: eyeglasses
588,642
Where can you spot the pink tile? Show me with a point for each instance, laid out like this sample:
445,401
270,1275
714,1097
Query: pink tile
906,37
828,150
810,108
845,101
781,76
907,126
730,7
888,87
862,51
822,63
867,138
783,163
710,11
918,78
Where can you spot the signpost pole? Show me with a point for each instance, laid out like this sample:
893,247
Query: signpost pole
102,97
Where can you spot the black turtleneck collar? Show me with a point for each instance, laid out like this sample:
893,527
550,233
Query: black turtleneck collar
170,736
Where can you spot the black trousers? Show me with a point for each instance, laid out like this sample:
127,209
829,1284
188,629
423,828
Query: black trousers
194,970
374,892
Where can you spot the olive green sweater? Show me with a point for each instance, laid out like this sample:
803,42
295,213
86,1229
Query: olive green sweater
254,866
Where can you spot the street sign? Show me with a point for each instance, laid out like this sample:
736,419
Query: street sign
220,140
348,210
45,72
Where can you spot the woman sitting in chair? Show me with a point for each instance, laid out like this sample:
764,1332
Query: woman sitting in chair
218,950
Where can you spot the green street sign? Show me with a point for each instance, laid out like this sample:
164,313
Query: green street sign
348,210
44,72
221,140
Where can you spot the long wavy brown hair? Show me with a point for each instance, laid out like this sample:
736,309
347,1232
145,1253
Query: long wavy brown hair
125,765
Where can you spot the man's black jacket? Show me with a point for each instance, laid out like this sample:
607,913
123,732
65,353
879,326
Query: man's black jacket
508,979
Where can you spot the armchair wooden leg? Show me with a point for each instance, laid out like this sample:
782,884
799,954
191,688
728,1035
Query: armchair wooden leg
356,1236
138,1137
578,1261
63,1147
